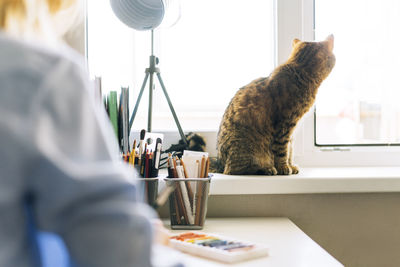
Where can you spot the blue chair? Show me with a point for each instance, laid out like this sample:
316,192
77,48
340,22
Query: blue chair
48,248
52,250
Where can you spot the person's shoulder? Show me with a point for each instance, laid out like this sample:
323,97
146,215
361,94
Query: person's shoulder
36,58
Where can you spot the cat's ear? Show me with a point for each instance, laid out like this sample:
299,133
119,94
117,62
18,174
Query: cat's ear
329,42
295,41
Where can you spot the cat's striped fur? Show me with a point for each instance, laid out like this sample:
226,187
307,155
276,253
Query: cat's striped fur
255,133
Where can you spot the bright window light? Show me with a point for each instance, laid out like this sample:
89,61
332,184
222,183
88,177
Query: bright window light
215,48
358,103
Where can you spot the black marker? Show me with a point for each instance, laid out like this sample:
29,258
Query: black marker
156,158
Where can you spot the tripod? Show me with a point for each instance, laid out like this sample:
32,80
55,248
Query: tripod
150,71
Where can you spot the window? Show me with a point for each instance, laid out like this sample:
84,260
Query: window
315,145
358,103
213,50
220,45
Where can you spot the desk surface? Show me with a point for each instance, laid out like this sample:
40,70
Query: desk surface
288,245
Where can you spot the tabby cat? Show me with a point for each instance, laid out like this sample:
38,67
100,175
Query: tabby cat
255,133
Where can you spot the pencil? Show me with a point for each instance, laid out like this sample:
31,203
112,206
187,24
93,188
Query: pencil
185,197
151,168
174,169
147,165
200,188
181,204
202,166
188,186
176,206
199,196
198,173
178,192
207,168
203,199
130,157
170,166
133,153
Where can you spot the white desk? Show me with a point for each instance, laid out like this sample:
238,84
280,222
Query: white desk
288,245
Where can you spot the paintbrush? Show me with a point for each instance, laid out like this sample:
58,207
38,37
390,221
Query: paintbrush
142,134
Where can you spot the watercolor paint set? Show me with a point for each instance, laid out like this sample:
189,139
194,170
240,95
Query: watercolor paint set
217,247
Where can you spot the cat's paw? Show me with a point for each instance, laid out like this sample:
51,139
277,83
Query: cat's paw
270,171
284,170
295,169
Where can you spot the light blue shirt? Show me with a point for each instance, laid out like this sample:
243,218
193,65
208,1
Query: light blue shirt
57,149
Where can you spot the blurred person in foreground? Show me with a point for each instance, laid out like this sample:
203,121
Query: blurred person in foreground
58,154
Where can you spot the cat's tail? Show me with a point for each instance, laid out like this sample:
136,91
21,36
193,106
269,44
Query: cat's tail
216,165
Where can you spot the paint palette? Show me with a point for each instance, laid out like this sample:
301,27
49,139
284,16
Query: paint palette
217,247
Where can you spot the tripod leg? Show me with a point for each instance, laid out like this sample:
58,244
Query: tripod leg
150,108
172,108
138,101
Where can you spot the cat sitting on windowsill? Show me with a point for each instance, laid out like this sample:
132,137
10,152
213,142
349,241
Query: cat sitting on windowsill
255,132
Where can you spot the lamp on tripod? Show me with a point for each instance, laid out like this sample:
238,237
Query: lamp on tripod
145,15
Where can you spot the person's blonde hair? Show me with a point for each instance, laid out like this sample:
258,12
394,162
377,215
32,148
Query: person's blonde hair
22,17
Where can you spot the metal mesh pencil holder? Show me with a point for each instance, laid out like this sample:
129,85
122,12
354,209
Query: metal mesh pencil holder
188,202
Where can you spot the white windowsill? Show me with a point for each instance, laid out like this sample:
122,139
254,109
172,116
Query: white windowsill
311,180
